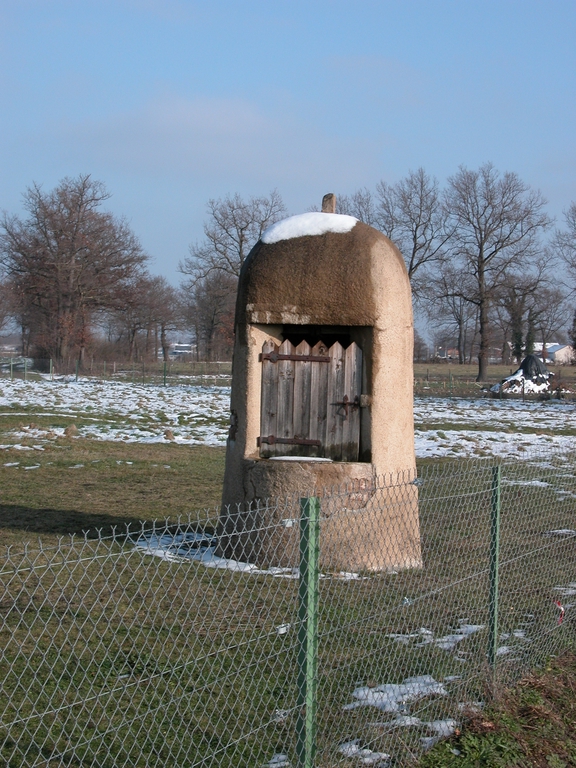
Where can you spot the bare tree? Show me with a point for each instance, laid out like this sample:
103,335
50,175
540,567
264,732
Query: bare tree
564,241
360,204
449,310
549,314
514,300
420,348
495,222
211,270
66,260
233,227
209,312
148,309
168,314
411,214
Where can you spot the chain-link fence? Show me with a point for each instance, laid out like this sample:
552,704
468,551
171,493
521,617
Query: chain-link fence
371,620
176,370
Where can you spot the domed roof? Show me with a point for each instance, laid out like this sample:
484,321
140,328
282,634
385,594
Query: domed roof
320,269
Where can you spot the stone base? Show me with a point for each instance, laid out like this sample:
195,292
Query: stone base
366,524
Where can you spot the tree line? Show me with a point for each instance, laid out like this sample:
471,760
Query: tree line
487,265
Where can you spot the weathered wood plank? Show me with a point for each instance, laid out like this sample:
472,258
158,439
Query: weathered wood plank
352,389
335,411
302,398
285,402
269,401
319,399
306,399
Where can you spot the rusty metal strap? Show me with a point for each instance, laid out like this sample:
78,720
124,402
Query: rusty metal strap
272,439
274,357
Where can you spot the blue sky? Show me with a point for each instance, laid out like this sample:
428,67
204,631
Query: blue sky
173,102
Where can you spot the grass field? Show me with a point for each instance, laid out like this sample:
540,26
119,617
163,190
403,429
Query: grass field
184,660
142,661
460,380
84,485
86,455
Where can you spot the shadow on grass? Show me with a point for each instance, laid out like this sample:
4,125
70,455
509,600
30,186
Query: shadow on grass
64,522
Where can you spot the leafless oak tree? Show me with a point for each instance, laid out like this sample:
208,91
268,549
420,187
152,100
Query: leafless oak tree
66,260
233,226
449,310
495,222
564,241
211,270
411,214
519,291
360,204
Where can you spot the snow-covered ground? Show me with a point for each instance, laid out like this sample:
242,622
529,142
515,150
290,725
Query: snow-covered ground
112,410
485,427
198,415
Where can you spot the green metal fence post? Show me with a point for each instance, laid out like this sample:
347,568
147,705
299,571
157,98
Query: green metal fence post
11,368
51,370
494,566
164,372
308,631
77,366
25,369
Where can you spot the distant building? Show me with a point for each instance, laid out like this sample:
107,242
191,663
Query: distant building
178,349
561,354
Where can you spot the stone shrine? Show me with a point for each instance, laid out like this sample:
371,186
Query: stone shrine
322,390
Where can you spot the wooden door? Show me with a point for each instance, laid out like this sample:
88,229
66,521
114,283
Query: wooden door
310,400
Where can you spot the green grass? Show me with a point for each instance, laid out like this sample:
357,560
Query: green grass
176,660
162,481
530,724
460,380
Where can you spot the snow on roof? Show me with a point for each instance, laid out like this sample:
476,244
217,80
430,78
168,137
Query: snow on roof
313,223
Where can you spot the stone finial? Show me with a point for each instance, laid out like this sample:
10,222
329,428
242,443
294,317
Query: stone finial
329,203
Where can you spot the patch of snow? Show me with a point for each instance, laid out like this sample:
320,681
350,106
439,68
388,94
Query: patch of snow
201,548
516,384
535,483
427,742
391,696
446,643
349,748
444,728
566,591
366,756
278,761
406,721
199,415
304,224
471,706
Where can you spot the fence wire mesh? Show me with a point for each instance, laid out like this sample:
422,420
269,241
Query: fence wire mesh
189,643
